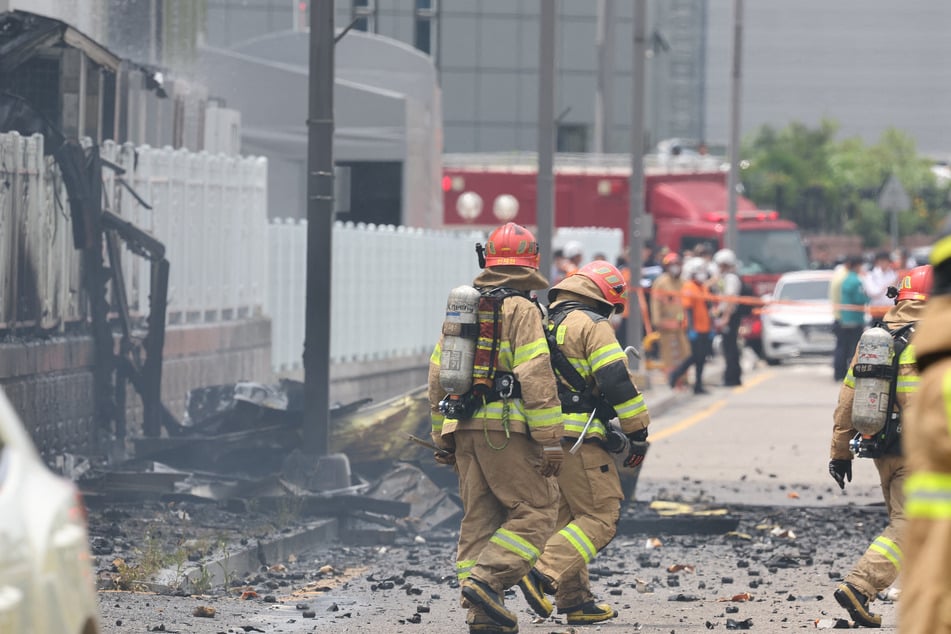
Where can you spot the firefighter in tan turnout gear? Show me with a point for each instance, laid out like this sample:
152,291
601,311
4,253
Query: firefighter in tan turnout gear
503,430
878,388
925,605
595,386
667,313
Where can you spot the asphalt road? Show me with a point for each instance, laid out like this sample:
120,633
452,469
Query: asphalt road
760,451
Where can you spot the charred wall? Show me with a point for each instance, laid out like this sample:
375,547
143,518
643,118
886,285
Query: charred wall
49,381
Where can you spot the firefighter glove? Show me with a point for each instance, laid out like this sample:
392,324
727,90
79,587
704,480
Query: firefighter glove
638,449
616,442
840,470
691,334
445,457
553,456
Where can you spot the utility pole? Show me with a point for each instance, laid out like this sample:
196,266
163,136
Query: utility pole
636,206
545,185
735,85
604,97
320,218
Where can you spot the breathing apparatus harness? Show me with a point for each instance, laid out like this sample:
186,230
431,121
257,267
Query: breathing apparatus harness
886,441
578,396
488,383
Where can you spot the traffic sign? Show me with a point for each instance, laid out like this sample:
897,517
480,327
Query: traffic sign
894,198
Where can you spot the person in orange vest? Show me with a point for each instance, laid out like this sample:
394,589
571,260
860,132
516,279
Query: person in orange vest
697,322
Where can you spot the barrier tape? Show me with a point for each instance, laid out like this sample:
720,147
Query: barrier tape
876,311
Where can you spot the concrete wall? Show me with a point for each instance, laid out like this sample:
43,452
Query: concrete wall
49,381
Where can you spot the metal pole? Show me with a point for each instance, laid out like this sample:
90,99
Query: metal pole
604,97
545,198
320,217
734,175
636,205
895,239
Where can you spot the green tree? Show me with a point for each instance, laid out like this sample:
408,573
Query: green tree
829,185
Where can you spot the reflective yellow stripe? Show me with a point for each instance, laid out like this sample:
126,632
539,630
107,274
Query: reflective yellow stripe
888,549
928,494
849,379
580,541
530,350
464,568
907,355
544,417
435,356
581,366
574,423
493,411
513,543
908,383
505,355
631,407
438,420
605,355
941,251
560,334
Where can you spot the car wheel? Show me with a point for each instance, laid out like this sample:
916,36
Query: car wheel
772,361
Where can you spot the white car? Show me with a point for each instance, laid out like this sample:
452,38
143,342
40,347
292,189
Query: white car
797,318
46,573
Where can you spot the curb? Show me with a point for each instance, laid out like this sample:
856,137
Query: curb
238,563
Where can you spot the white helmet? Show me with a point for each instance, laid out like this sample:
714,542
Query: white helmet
572,249
694,268
725,257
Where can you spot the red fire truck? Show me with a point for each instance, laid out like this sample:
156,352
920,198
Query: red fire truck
685,204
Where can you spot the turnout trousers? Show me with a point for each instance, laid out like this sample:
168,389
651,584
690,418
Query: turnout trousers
587,521
674,347
509,509
879,566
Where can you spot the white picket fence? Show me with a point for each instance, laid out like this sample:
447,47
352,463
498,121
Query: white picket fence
210,211
389,288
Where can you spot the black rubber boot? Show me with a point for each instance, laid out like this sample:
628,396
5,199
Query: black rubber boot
589,612
850,598
534,586
481,594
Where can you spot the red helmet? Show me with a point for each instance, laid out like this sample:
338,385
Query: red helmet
670,258
511,245
916,285
610,282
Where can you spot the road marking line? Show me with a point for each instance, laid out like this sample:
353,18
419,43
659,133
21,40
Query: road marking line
753,382
688,422
711,409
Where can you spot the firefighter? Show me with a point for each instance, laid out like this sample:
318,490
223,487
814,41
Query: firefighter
595,386
667,313
864,426
694,297
504,434
925,606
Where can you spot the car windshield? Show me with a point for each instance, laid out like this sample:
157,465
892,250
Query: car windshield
771,251
805,291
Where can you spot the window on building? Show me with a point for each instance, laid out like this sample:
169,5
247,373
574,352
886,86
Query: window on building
364,15
571,137
424,34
